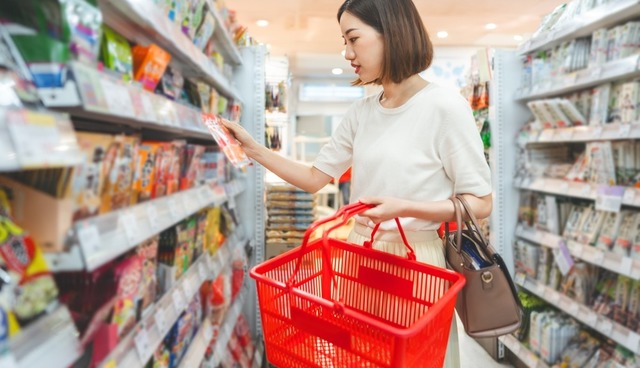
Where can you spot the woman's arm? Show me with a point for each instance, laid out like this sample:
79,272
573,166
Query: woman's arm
302,176
388,208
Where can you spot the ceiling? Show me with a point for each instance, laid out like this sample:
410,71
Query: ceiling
307,31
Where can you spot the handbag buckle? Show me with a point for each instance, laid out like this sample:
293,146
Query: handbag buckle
487,277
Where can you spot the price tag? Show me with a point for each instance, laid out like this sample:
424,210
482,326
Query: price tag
143,346
178,300
625,130
604,326
208,332
596,132
592,255
540,289
148,111
576,248
591,319
205,198
89,238
152,215
609,198
130,224
36,138
547,135
118,99
161,320
572,308
232,202
532,359
551,296
563,187
629,196
595,72
202,270
8,361
584,190
562,257
626,265
564,134
187,288
633,340
520,277
176,209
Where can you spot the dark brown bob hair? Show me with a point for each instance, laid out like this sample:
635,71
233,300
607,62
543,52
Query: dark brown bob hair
407,47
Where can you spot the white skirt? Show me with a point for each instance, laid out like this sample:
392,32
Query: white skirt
429,249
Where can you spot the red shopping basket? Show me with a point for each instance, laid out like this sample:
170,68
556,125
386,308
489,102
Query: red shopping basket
329,303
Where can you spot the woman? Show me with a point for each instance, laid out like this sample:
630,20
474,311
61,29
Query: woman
411,147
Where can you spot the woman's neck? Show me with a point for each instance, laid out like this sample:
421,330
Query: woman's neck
396,94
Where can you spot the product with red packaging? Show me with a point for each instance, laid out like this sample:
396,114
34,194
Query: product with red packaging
129,276
226,141
243,331
149,64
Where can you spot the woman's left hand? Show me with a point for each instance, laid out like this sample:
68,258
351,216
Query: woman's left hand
387,208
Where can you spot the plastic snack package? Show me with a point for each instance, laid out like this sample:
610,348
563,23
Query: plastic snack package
226,141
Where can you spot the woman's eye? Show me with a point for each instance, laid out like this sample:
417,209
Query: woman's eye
352,40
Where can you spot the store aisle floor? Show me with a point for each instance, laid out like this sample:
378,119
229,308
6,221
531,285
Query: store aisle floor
472,355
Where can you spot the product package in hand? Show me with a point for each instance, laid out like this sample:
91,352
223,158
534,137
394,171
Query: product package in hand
226,141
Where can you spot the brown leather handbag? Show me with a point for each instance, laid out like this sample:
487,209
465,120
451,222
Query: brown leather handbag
488,305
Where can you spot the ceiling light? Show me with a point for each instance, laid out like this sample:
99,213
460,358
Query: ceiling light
336,71
343,52
490,26
262,23
518,38
442,34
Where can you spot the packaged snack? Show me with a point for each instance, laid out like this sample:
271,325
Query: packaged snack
116,53
85,21
226,141
128,274
148,253
90,175
118,187
149,64
145,172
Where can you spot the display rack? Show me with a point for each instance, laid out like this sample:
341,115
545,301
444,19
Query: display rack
622,265
49,342
508,113
142,22
582,313
614,70
612,13
135,349
529,358
230,320
100,239
32,139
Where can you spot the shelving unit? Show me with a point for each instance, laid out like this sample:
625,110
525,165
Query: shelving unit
136,348
585,25
100,239
621,265
582,313
508,112
220,348
32,139
142,22
529,358
49,342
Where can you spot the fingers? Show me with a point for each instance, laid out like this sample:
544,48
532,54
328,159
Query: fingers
370,200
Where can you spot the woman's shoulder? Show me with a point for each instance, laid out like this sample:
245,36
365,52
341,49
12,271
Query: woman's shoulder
443,96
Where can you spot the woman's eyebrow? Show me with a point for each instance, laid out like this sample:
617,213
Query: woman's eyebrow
349,30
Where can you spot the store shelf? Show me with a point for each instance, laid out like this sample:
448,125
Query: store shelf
142,22
51,341
31,139
582,313
223,39
135,349
529,358
631,196
100,239
619,264
602,17
585,133
198,347
101,97
626,68
224,335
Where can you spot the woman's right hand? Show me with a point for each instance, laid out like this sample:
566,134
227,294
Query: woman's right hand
242,136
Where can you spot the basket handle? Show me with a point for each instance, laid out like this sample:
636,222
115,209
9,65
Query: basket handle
343,214
411,254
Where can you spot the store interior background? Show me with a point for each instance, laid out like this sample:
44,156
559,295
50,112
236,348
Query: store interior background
305,46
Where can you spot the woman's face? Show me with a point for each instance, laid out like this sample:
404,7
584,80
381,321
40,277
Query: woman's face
364,47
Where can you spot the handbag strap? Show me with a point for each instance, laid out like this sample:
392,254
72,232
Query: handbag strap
458,214
472,217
